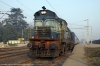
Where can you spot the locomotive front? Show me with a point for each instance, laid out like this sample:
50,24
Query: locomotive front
46,39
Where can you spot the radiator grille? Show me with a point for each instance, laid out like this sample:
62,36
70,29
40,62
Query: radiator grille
44,31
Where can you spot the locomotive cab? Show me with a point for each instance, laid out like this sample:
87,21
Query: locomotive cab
46,29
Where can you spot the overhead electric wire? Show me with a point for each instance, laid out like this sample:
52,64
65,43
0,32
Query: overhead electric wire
11,7
24,5
5,4
3,15
52,7
78,22
58,13
28,15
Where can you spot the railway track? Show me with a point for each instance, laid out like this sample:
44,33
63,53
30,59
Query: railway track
45,61
12,49
12,54
7,58
20,58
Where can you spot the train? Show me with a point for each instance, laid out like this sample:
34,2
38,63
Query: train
52,37
75,38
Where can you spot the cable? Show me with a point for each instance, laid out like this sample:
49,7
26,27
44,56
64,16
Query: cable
57,12
52,7
3,15
11,7
77,25
60,16
6,4
24,6
28,15
4,11
79,21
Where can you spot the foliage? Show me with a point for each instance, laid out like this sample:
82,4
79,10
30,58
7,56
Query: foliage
12,26
9,33
1,32
97,63
93,52
93,55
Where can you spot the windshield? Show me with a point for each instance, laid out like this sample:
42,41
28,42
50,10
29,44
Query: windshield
38,23
47,22
50,23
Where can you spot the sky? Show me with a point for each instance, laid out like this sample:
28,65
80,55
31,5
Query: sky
75,12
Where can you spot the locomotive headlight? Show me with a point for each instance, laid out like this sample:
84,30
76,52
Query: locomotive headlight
32,36
43,12
52,36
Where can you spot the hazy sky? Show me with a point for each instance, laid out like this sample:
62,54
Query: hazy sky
73,11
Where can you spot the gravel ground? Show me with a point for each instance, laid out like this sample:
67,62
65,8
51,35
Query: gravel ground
11,61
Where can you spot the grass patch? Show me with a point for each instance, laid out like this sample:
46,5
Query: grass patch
92,52
93,55
97,63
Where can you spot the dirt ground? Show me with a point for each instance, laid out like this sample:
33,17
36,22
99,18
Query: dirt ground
78,58
1,45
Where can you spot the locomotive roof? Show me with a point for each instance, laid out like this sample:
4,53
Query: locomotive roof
60,20
48,13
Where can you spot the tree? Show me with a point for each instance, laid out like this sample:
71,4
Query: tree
14,25
9,33
1,32
16,18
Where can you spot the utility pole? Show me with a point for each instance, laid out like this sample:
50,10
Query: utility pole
22,33
91,34
87,27
87,31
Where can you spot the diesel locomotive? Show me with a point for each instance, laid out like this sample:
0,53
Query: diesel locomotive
52,37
